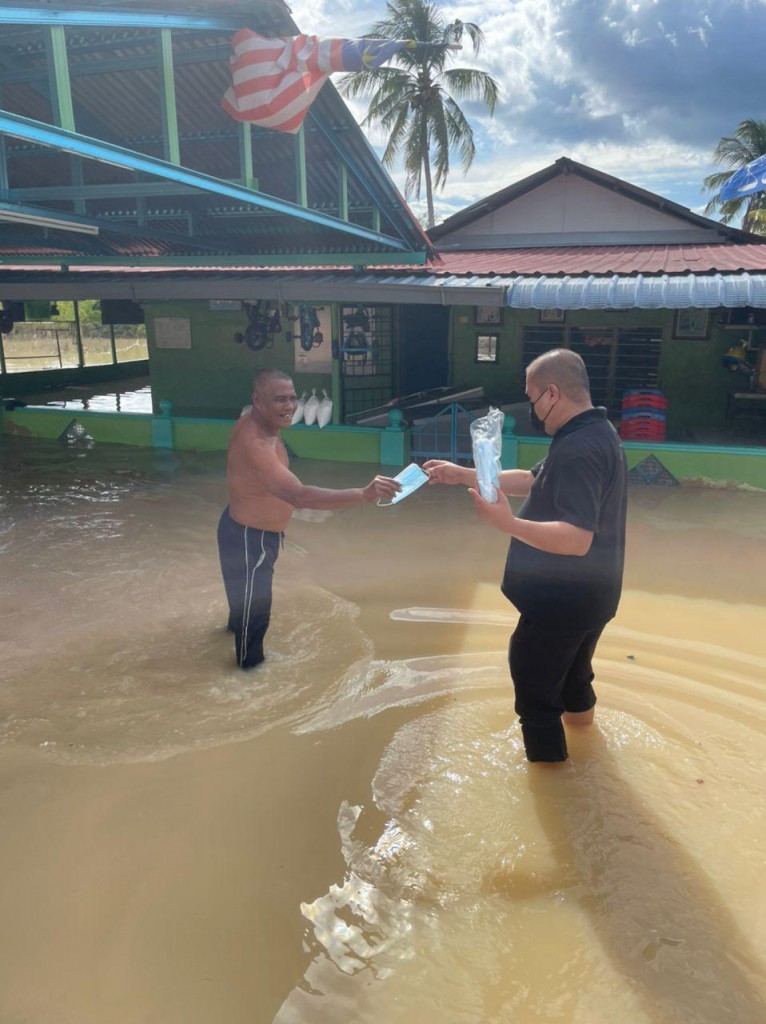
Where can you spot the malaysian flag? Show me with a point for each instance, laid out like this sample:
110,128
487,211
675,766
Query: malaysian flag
275,81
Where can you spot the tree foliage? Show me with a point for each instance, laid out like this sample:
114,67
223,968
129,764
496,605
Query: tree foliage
746,145
415,103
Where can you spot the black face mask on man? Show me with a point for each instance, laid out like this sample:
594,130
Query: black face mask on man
537,423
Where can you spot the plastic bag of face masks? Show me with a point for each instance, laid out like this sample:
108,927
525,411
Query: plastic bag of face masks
487,438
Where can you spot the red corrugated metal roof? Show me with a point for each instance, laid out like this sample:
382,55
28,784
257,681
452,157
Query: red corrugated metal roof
571,260
604,259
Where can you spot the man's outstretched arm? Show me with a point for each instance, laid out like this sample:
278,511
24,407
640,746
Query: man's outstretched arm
284,484
516,482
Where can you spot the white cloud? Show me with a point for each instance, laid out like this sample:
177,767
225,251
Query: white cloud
642,89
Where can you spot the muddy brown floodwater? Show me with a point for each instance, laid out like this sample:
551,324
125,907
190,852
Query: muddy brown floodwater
352,834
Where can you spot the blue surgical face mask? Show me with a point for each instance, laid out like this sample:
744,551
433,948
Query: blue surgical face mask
410,478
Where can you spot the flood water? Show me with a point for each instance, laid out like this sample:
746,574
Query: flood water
351,833
130,395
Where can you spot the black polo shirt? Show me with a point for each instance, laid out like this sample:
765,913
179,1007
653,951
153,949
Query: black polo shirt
582,481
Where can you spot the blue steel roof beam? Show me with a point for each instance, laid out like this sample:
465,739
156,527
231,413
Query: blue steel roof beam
4,185
115,19
104,152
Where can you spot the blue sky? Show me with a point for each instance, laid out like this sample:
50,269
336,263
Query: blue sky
642,89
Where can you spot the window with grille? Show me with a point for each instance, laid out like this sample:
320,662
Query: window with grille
366,356
618,359
365,341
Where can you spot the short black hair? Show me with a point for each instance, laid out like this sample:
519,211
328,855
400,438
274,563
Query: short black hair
266,373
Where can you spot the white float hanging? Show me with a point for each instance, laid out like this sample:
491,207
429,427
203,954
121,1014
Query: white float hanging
298,414
310,409
324,412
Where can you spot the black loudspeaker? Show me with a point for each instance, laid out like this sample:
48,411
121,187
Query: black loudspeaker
121,311
10,313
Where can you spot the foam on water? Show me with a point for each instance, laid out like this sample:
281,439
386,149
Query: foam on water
467,854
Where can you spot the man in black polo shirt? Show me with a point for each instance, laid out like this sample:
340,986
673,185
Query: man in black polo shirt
565,561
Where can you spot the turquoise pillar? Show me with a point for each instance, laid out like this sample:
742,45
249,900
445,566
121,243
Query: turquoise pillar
162,426
509,456
394,441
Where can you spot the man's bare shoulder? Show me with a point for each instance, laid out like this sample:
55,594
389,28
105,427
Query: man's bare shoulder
248,442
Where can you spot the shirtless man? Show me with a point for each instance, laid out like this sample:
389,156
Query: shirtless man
262,493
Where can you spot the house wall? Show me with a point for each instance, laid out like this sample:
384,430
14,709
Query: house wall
213,378
570,204
505,380
691,373
691,465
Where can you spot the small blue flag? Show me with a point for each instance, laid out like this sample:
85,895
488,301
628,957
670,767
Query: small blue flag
744,182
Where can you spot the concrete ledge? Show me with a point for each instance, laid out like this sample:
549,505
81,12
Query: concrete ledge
690,464
333,443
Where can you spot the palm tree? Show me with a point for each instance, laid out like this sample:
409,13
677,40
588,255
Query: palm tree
748,143
415,103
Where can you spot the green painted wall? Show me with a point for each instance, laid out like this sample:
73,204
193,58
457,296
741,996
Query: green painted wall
501,380
687,463
697,384
200,435
103,427
691,373
504,380
213,378
336,444
339,444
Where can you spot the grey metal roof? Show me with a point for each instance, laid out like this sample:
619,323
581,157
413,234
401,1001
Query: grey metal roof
116,80
613,291
617,291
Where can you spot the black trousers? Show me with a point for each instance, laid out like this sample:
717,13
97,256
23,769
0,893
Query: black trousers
552,673
247,564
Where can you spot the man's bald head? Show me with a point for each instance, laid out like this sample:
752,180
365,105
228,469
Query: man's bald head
565,369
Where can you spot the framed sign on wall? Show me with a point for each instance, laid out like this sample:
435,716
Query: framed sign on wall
172,332
488,315
691,323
